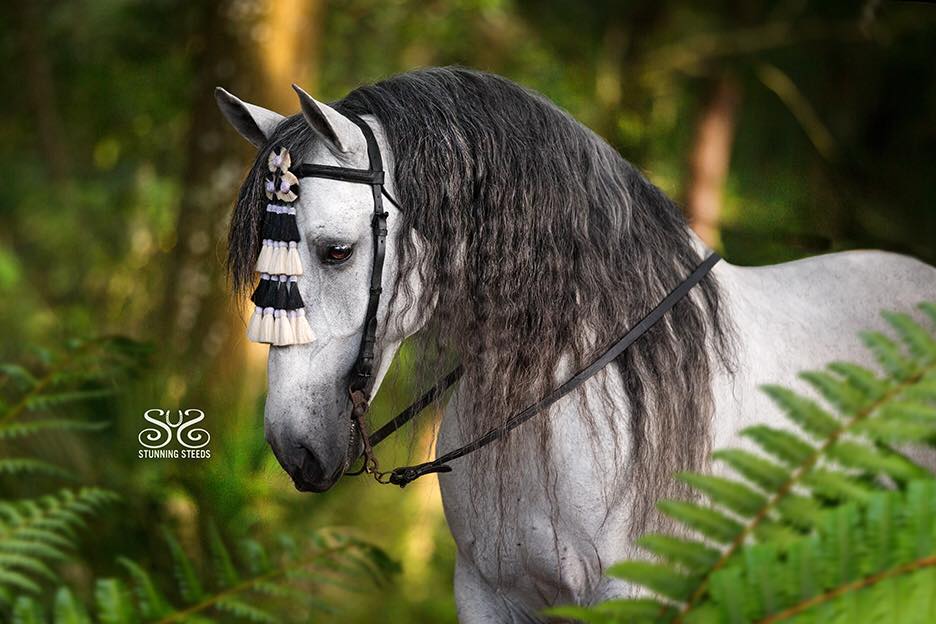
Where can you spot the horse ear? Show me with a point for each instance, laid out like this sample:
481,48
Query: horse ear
254,123
338,132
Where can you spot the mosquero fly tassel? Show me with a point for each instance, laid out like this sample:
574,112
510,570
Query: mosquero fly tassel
279,314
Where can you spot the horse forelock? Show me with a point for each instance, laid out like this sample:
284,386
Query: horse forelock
538,242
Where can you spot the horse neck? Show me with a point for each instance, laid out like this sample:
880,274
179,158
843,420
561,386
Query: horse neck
587,437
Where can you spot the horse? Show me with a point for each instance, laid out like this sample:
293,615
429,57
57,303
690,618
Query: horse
521,244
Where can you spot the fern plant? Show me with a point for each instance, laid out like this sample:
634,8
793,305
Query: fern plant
38,532
828,524
244,588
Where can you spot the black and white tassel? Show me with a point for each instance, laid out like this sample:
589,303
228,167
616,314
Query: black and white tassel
279,314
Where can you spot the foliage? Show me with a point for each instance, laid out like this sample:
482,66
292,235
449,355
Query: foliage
258,588
829,524
36,532
118,175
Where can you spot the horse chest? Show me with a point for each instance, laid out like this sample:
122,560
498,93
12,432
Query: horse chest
539,545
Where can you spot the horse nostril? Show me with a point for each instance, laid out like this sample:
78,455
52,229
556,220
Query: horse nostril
310,468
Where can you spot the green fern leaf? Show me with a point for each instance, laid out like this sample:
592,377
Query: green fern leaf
894,431
731,494
929,309
804,412
15,580
246,611
785,446
279,590
924,391
861,379
151,602
854,455
224,571
27,611
22,377
889,355
615,611
919,342
68,610
706,521
662,579
190,586
800,511
114,604
25,465
731,595
840,394
880,538
632,611
255,555
909,411
837,486
19,429
756,469
694,556
38,535
26,564
40,549
48,401
918,537
777,532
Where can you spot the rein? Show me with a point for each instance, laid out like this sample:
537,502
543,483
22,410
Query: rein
405,475
360,385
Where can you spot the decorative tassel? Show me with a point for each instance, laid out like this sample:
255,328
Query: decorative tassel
279,316
282,292
259,295
282,330
293,298
263,260
301,329
253,327
290,229
277,259
266,326
271,223
293,261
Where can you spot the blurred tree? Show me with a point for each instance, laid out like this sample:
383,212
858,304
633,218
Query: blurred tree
254,49
710,157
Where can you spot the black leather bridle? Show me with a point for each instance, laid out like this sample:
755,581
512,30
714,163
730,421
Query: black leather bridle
361,384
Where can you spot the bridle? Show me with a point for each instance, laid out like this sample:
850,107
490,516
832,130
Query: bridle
361,383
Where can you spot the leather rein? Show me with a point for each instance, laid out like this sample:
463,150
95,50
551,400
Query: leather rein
360,384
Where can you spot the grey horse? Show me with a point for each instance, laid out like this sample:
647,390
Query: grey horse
524,246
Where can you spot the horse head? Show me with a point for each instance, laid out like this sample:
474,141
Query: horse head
307,417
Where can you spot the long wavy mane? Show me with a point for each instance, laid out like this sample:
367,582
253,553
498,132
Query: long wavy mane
540,244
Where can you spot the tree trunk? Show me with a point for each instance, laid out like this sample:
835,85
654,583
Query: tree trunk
255,55
40,87
710,159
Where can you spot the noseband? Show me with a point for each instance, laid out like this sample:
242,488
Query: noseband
361,383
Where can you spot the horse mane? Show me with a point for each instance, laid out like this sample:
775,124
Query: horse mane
539,244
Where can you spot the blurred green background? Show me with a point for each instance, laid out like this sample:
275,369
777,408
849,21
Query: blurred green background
784,128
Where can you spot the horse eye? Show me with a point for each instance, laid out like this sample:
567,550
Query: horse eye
336,254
